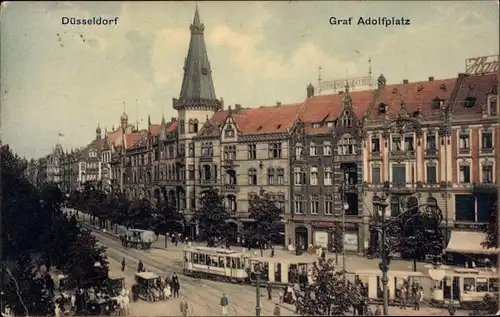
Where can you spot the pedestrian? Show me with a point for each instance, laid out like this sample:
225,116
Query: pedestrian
140,267
269,291
451,308
402,303
419,296
123,264
176,286
281,295
224,303
184,308
377,311
277,310
272,251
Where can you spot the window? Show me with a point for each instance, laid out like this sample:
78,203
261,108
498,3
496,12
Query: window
487,174
327,178
314,204
409,144
299,204
465,208
470,102
299,176
493,107
252,176
328,205
280,201
182,127
275,150
190,126
314,176
399,174
464,174
395,206
376,145
313,150
206,149
431,174
229,132
230,153
280,176
316,125
486,140
298,150
191,172
464,142
346,119
231,203
191,149
271,177
347,146
252,151
376,174
327,148
195,126
431,143
396,143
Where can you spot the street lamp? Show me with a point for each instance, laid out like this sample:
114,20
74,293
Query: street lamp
380,205
257,291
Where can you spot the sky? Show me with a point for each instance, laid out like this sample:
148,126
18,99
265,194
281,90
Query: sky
260,53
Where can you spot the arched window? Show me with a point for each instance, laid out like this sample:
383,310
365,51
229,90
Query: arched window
190,126
314,175
313,150
298,150
271,176
195,125
252,176
231,203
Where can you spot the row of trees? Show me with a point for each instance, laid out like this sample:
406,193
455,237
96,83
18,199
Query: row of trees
212,217
37,236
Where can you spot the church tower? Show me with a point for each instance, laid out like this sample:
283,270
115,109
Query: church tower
197,98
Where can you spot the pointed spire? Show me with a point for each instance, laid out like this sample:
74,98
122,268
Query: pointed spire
163,121
149,120
197,84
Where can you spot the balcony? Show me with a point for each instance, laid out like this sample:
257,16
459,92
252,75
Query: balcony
401,154
230,188
431,154
485,188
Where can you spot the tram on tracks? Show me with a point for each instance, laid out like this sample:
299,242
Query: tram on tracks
236,267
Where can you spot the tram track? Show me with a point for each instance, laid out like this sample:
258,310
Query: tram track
116,251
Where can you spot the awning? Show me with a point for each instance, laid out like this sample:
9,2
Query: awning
469,242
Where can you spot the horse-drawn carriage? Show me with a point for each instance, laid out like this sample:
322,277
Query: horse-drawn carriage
138,238
115,284
146,287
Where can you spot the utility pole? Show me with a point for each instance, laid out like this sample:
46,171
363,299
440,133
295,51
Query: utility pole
257,291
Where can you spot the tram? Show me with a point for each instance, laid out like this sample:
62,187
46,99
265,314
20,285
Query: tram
235,267
216,263
465,286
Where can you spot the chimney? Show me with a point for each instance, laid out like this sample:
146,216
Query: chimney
237,108
173,119
431,78
278,103
405,81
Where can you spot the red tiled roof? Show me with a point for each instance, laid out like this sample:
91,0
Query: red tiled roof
267,119
172,127
132,138
154,128
328,107
478,86
418,95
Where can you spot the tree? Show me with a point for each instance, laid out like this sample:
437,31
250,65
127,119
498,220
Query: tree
94,199
337,244
419,231
212,217
266,214
118,206
168,219
87,264
492,229
140,215
329,294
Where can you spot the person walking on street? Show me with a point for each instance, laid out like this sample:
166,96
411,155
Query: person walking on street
277,310
419,296
402,303
175,285
184,308
224,303
140,267
269,291
377,311
451,308
123,264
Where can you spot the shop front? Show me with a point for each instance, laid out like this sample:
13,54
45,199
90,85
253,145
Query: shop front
325,235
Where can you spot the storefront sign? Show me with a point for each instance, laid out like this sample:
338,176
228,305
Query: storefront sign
339,84
481,65
351,242
321,238
470,226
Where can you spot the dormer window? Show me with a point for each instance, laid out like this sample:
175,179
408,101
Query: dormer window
443,87
437,103
229,133
382,108
316,125
346,120
470,102
420,88
394,90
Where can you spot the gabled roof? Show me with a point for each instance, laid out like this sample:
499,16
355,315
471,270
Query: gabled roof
274,119
172,126
416,96
328,107
477,86
96,145
132,139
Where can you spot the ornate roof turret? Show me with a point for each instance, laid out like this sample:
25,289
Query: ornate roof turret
197,85
124,116
381,81
310,91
